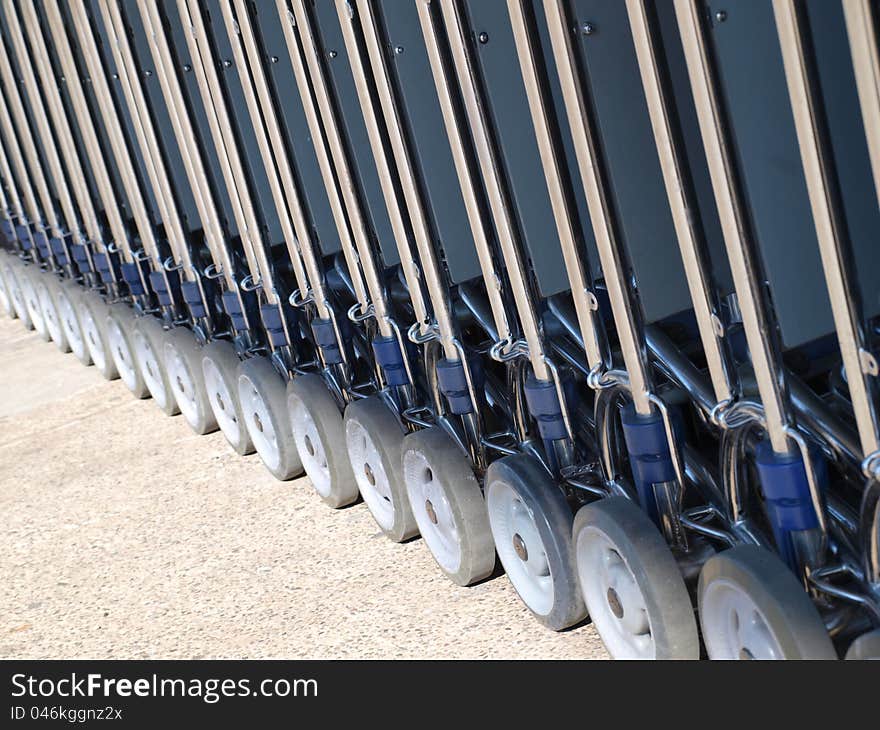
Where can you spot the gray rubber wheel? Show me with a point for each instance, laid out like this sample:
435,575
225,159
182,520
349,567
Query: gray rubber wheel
93,311
47,290
183,368
120,325
752,607
866,646
448,506
263,397
66,298
319,433
531,525
374,439
148,340
220,369
6,307
28,282
12,272
631,584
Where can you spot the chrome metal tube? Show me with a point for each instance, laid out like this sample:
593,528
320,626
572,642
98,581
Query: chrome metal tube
682,203
493,181
564,212
577,108
743,263
480,228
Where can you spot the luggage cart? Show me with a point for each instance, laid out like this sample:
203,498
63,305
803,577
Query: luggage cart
182,352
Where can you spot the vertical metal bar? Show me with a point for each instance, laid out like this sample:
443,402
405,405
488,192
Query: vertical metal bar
40,118
90,139
294,49
148,142
682,203
12,206
204,67
492,178
734,226
601,216
480,228
10,140
284,218
861,30
860,25
306,245
564,214
406,171
113,127
186,137
62,126
342,168
22,132
396,211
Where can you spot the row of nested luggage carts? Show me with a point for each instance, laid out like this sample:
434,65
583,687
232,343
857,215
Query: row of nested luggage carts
586,290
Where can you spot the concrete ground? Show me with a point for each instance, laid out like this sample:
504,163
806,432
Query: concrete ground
126,536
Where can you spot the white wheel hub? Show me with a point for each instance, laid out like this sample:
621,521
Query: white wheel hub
734,627
121,353
182,384
50,313
221,399
520,547
430,505
5,301
369,473
16,295
259,423
311,447
32,302
70,324
613,597
151,368
92,337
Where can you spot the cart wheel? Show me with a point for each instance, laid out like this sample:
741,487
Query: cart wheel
631,584
318,432
67,294
47,290
93,317
446,501
148,340
263,398
6,307
120,324
220,368
374,439
531,525
866,646
183,368
16,295
752,607
28,282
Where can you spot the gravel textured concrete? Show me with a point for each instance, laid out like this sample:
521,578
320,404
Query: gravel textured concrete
127,536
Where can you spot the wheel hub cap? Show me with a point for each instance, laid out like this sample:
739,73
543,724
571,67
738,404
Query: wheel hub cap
519,547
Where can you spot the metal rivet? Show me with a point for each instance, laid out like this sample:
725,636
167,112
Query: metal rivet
274,59
721,16
333,54
483,37
588,29
187,68
148,73
227,63
398,50
115,77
